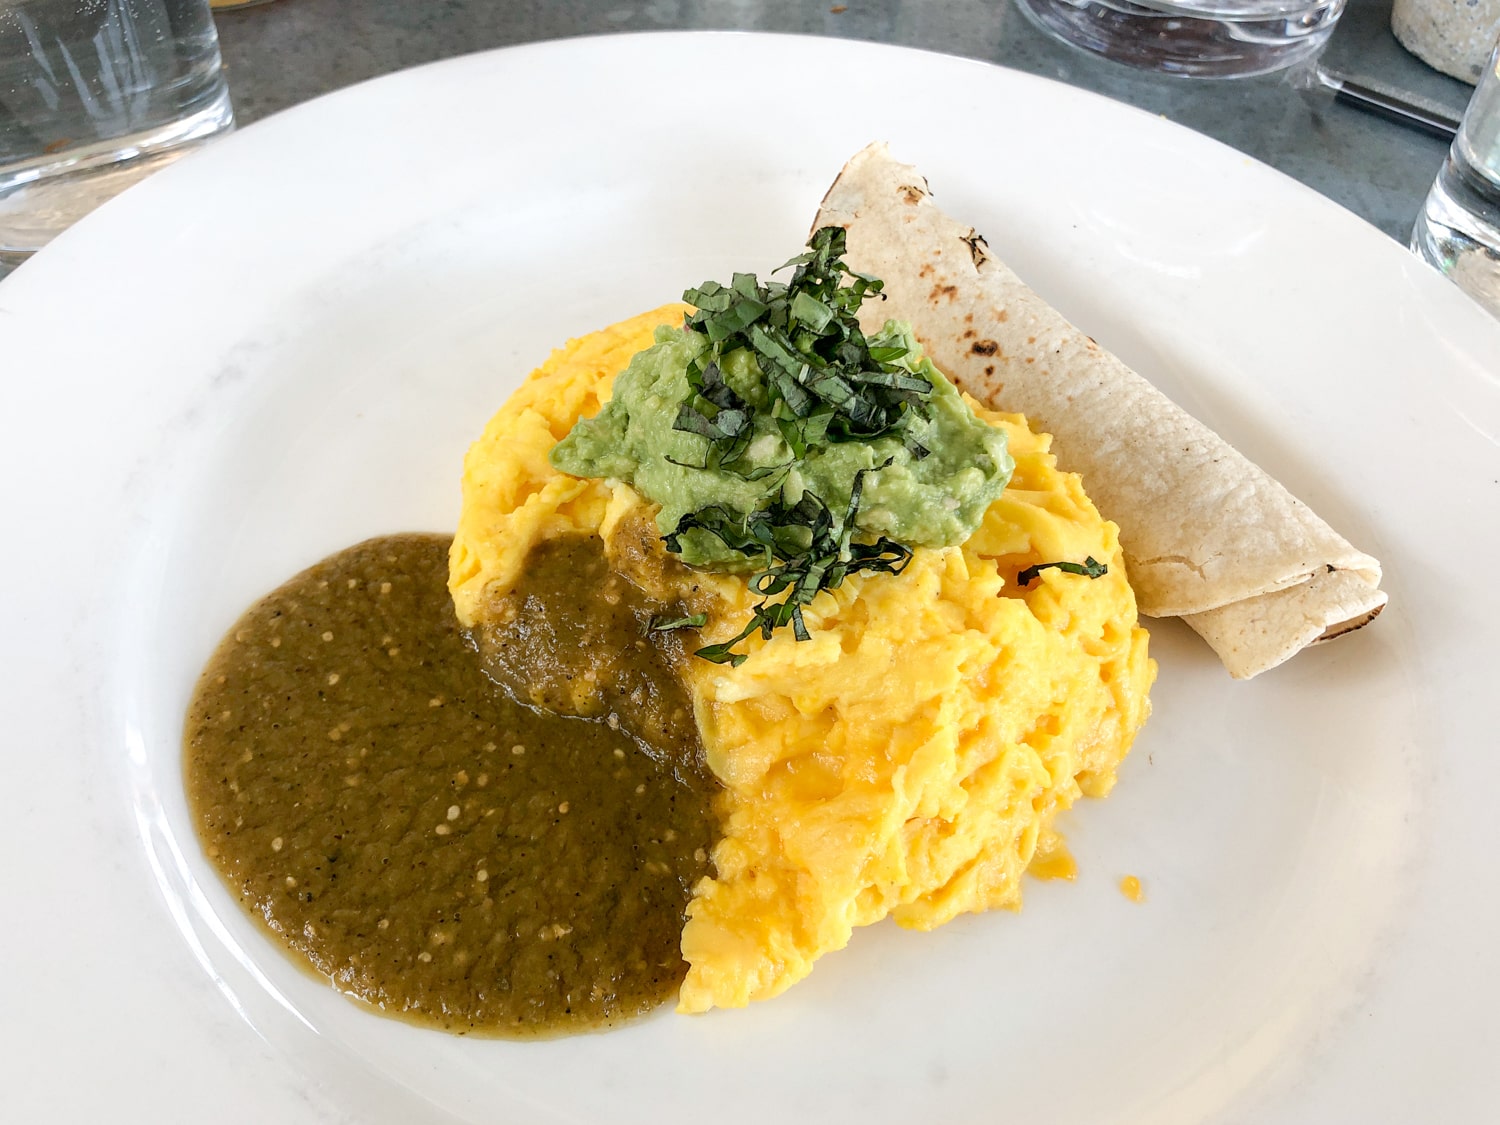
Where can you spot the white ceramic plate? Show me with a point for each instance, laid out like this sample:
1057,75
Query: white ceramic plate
284,344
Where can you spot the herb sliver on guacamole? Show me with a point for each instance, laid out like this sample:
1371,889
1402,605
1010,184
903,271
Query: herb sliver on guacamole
780,441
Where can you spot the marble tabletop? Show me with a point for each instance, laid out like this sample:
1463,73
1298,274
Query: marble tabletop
287,51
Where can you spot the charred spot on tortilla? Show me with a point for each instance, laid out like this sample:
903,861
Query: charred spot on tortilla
1339,629
984,347
979,249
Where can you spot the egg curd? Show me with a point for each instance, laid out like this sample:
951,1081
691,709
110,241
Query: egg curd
911,757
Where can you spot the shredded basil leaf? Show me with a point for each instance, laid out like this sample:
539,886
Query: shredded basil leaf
803,550
823,380
1089,568
824,383
692,621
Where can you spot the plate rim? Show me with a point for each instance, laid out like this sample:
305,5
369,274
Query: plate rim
86,237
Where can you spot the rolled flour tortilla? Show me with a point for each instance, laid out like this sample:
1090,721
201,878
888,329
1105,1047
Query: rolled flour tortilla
1208,536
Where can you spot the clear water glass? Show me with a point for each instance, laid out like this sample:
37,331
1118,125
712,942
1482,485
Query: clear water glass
94,95
1192,38
1458,228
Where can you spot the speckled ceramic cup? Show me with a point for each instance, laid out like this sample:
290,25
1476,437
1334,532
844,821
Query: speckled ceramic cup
1454,36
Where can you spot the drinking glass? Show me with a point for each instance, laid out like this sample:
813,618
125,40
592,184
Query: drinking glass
1458,228
1194,38
94,95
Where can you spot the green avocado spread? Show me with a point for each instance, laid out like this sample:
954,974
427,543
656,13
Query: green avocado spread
778,439
936,501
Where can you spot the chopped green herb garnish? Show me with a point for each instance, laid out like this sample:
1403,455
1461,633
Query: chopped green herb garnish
754,429
805,550
667,624
824,382
1089,568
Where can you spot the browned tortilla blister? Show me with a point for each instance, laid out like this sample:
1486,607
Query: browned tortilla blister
1208,536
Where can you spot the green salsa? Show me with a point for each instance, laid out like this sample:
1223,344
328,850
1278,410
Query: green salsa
407,829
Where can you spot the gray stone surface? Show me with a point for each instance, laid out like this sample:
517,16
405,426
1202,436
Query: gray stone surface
285,52
1365,49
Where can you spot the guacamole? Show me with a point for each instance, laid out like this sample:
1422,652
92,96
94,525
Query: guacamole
927,486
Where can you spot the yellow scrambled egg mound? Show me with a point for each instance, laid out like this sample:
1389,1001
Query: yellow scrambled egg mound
908,760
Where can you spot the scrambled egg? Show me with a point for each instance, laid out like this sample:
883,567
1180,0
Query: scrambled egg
911,757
